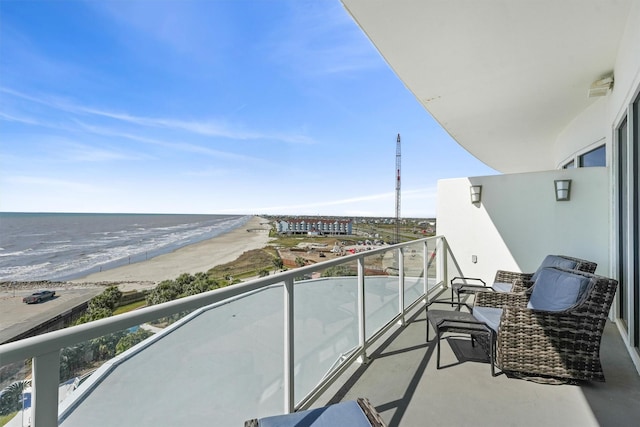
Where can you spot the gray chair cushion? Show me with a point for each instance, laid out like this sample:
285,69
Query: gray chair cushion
557,290
554,261
488,315
502,287
341,414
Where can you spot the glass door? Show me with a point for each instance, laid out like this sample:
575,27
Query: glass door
628,201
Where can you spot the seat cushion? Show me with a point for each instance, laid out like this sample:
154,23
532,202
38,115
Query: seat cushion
557,290
554,261
488,315
341,414
502,287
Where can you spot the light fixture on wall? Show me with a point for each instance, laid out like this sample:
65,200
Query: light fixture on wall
563,189
476,193
601,86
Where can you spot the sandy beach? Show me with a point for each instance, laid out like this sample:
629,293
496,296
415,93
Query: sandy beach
195,258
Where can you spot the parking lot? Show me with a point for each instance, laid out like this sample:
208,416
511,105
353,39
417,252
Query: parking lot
17,317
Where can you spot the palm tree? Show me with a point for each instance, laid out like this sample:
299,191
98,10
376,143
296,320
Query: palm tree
278,263
11,397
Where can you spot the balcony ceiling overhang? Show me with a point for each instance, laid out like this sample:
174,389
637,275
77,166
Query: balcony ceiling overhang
502,77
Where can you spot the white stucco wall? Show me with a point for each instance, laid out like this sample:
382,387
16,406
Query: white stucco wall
587,131
519,221
595,125
627,68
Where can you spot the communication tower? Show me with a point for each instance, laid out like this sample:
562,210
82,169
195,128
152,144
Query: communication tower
397,236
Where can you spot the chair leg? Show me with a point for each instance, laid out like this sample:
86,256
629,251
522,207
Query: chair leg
492,353
438,349
427,316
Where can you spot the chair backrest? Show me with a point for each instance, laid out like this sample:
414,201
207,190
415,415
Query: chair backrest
582,264
597,298
566,263
557,290
580,292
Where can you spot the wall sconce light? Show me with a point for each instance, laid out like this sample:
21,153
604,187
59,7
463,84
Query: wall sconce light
601,87
563,189
476,193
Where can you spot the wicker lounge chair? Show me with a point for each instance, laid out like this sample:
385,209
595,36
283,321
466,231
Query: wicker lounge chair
544,336
505,281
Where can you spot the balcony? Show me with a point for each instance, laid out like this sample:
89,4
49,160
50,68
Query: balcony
293,341
402,381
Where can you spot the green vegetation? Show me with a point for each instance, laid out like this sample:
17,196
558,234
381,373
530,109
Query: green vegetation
102,305
129,307
131,339
340,271
184,285
86,355
248,265
4,419
10,401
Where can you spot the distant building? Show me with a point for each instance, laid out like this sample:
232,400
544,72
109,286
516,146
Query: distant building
314,226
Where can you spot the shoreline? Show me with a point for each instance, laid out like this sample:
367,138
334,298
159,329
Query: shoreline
195,258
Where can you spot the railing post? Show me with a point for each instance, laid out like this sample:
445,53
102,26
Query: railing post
425,267
289,392
362,332
46,379
401,286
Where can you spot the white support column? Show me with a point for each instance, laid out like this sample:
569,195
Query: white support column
46,380
441,271
362,330
402,321
289,391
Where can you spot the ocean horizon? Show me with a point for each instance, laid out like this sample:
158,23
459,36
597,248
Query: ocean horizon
66,246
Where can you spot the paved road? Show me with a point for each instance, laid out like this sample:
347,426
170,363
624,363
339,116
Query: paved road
17,317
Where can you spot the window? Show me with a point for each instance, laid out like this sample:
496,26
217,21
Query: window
595,157
585,159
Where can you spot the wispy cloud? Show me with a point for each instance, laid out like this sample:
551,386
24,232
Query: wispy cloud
59,184
77,152
326,203
175,146
207,127
323,41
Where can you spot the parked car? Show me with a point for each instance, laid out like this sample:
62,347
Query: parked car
39,296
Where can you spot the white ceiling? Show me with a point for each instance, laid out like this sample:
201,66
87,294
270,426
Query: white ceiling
503,77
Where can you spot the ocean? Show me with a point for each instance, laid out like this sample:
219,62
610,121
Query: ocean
66,246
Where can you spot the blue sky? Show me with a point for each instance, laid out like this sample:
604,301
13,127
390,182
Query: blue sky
248,107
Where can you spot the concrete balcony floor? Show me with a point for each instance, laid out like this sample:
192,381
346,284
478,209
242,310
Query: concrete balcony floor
402,382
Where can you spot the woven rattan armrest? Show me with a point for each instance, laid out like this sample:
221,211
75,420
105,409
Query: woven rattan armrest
500,299
372,415
503,276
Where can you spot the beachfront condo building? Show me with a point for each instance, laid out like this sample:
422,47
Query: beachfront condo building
318,226
547,93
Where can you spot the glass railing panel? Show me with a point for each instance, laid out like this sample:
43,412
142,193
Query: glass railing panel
220,364
413,272
381,289
326,323
432,263
15,393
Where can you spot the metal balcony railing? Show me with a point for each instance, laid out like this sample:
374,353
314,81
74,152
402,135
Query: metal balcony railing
413,261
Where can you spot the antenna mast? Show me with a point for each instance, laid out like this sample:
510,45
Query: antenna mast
397,236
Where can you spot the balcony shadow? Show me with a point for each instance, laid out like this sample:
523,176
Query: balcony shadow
614,402
385,353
